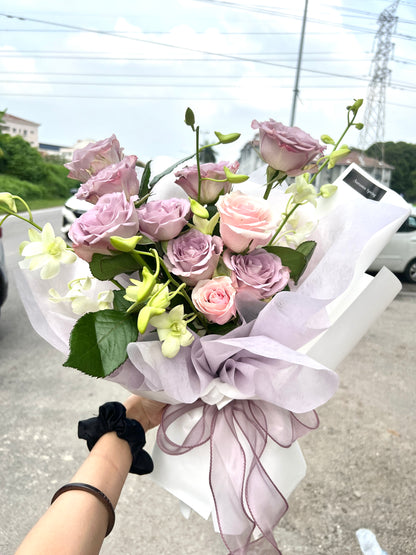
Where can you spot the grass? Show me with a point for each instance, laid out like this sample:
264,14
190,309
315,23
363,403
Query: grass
39,204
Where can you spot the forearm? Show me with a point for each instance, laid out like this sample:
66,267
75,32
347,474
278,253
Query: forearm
106,468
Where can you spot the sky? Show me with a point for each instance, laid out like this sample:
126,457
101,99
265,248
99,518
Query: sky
86,70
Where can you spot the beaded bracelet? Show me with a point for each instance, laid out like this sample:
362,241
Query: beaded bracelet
112,418
94,491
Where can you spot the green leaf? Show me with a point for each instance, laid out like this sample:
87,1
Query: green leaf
105,267
168,170
222,329
307,248
144,182
120,303
295,260
98,342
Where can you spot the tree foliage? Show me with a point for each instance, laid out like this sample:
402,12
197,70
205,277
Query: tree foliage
20,161
402,156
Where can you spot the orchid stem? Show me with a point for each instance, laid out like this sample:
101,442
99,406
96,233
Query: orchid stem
281,226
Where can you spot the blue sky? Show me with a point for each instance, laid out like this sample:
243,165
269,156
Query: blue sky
231,61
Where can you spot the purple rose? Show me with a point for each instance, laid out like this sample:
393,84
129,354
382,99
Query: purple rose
193,256
287,149
161,220
112,215
119,177
94,157
259,272
210,190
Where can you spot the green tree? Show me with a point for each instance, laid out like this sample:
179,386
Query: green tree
402,156
22,162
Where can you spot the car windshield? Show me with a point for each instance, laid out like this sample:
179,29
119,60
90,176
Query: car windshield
409,225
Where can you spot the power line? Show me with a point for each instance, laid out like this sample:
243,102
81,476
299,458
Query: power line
319,72
178,98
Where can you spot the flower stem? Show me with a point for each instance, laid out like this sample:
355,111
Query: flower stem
198,164
350,123
116,283
285,219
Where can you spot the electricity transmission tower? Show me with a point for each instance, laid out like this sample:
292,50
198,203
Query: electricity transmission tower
374,115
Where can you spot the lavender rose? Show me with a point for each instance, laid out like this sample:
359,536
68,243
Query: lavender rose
112,215
94,157
287,149
210,190
161,220
260,272
193,256
119,177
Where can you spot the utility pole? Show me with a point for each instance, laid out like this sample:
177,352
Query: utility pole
374,116
296,89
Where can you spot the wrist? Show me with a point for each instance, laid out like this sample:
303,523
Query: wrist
112,418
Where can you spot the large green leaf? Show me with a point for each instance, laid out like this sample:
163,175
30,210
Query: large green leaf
98,343
293,259
105,267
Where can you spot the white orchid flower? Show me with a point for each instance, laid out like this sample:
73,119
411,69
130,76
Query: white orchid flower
302,190
81,303
45,251
172,331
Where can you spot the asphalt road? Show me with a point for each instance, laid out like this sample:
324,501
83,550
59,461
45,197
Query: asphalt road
360,461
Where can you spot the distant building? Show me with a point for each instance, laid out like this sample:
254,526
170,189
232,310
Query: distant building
65,151
377,169
250,161
19,126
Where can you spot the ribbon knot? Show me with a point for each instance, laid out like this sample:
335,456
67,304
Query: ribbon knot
248,504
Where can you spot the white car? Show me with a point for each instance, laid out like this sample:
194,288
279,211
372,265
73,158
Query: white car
72,210
399,255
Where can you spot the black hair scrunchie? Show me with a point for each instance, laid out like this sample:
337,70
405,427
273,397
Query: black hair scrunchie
112,418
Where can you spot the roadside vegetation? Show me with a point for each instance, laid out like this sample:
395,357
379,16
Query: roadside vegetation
26,173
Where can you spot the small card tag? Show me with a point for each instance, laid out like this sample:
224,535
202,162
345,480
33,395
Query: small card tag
363,185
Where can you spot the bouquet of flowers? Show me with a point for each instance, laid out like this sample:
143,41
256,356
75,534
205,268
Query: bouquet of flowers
232,300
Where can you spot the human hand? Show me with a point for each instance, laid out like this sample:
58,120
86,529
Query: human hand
145,411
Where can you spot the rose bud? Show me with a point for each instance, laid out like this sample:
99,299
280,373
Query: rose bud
245,221
94,157
119,177
259,272
215,299
161,220
193,256
112,215
210,190
287,149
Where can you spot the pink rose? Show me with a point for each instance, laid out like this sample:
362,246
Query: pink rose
94,157
210,190
111,179
245,221
193,256
161,220
215,299
112,215
260,272
287,149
